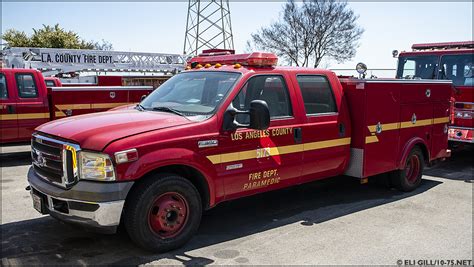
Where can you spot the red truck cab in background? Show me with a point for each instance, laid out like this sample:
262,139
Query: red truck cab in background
231,126
27,100
446,61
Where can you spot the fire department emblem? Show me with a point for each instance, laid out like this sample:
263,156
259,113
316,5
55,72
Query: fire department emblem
112,94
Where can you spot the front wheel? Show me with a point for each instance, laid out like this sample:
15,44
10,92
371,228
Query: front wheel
163,213
409,178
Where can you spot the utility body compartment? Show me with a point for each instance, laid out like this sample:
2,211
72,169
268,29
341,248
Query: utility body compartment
390,116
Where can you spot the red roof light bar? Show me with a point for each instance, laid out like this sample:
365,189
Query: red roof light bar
258,59
446,45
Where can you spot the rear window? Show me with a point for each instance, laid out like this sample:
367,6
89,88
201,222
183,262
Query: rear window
3,87
26,85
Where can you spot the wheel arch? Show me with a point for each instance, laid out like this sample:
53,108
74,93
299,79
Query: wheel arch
414,142
190,173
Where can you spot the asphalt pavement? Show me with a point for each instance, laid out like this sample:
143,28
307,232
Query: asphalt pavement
336,221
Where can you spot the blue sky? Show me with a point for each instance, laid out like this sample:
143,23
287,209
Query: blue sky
160,26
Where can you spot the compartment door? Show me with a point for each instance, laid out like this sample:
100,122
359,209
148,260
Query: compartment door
382,133
439,142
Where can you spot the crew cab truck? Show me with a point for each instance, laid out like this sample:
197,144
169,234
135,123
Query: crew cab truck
228,127
446,61
27,100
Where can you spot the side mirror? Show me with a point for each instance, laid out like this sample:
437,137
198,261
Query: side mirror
395,53
259,117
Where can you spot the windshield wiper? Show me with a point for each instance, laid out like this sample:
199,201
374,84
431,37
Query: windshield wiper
168,109
140,107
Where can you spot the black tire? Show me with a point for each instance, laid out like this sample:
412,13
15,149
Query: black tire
403,179
141,201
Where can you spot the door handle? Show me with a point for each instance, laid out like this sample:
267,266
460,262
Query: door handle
298,135
10,109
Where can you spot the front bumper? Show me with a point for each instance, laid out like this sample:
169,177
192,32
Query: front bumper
461,134
90,204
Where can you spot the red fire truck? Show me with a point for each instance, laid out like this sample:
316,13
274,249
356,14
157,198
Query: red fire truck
446,61
27,101
229,127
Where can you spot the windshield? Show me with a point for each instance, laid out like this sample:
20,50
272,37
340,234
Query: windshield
457,68
191,93
417,67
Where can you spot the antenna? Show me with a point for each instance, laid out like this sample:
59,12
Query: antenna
208,26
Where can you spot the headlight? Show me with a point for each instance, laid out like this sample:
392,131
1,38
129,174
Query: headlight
96,166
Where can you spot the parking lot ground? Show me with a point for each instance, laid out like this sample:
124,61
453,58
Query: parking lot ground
337,221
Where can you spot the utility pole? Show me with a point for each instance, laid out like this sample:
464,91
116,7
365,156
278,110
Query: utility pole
208,26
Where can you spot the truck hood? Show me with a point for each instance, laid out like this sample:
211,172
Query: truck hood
97,130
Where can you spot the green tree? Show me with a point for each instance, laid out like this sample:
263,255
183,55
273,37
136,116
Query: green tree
51,37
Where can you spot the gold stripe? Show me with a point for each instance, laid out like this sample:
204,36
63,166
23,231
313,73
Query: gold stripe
441,120
418,123
403,125
275,151
371,139
5,117
27,116
326,144
24,116
109,105
385,127
91,106
73,106
59,114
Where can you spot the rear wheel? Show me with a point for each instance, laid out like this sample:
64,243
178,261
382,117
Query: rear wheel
409,178
163,213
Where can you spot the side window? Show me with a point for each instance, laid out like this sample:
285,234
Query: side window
50,83
269,88
458,68
3,87
317,94
26,85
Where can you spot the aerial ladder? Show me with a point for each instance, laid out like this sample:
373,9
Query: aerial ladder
54,61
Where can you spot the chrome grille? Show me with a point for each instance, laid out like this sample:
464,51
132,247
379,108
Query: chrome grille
53,161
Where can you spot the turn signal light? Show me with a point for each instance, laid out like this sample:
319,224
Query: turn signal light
126,156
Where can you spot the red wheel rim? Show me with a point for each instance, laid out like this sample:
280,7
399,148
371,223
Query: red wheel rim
168,214
412,169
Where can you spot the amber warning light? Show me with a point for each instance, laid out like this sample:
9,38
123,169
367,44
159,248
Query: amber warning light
255,59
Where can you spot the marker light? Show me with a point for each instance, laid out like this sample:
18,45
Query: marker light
126,156
361,68
207,66
255,59
218,65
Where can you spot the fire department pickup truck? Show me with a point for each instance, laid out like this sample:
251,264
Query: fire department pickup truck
27,101
229,127
446,61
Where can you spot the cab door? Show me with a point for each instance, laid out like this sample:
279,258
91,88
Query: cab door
326,133
9,120
32,106
257,161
